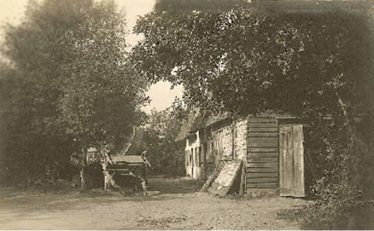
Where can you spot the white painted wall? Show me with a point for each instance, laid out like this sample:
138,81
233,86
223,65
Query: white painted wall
192,145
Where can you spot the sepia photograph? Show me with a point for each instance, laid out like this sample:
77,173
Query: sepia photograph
186,114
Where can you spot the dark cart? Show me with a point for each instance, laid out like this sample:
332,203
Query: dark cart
129,170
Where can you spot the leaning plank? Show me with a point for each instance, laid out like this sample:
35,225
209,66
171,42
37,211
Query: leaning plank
212,177
225,179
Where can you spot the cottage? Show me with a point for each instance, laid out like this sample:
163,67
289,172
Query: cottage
264,151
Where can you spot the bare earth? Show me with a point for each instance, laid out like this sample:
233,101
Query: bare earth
177,206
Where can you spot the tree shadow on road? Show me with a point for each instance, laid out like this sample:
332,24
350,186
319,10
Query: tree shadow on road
18,201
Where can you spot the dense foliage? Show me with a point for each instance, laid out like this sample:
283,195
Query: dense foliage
263,56
315,65
164,153
65,85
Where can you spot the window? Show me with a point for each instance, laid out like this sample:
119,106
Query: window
187,158
200,157
197,154
191,159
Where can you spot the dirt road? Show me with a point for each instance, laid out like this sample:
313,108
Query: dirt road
177,206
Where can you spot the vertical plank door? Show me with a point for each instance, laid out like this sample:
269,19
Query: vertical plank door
218,139
291,171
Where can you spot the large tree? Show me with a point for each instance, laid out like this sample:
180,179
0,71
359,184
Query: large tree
67,84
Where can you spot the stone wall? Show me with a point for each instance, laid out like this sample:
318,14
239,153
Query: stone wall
227,142
240,139
229,137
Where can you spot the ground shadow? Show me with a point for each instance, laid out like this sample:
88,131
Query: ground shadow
357,218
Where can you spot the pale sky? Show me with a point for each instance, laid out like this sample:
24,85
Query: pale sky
161,95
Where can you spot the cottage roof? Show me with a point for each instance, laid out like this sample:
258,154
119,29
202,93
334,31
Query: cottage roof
188,125
196,121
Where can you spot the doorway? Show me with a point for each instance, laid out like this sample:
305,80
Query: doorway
291,165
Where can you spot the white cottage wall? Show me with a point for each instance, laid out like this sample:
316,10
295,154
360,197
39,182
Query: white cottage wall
194,156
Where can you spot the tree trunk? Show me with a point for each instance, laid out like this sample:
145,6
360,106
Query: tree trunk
108,178
83,179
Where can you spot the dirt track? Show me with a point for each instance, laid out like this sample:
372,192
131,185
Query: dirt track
177,206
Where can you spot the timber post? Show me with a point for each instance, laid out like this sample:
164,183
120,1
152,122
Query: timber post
82,172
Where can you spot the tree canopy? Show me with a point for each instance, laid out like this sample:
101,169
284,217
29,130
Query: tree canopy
66,80
246,60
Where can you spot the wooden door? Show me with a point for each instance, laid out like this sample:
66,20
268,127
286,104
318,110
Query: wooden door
218,139
291,171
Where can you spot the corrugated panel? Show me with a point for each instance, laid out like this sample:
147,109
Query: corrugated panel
225,179
262,167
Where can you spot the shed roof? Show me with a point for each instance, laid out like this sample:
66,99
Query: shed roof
128,159
135,145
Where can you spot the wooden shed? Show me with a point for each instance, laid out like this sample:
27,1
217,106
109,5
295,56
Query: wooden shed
269,147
